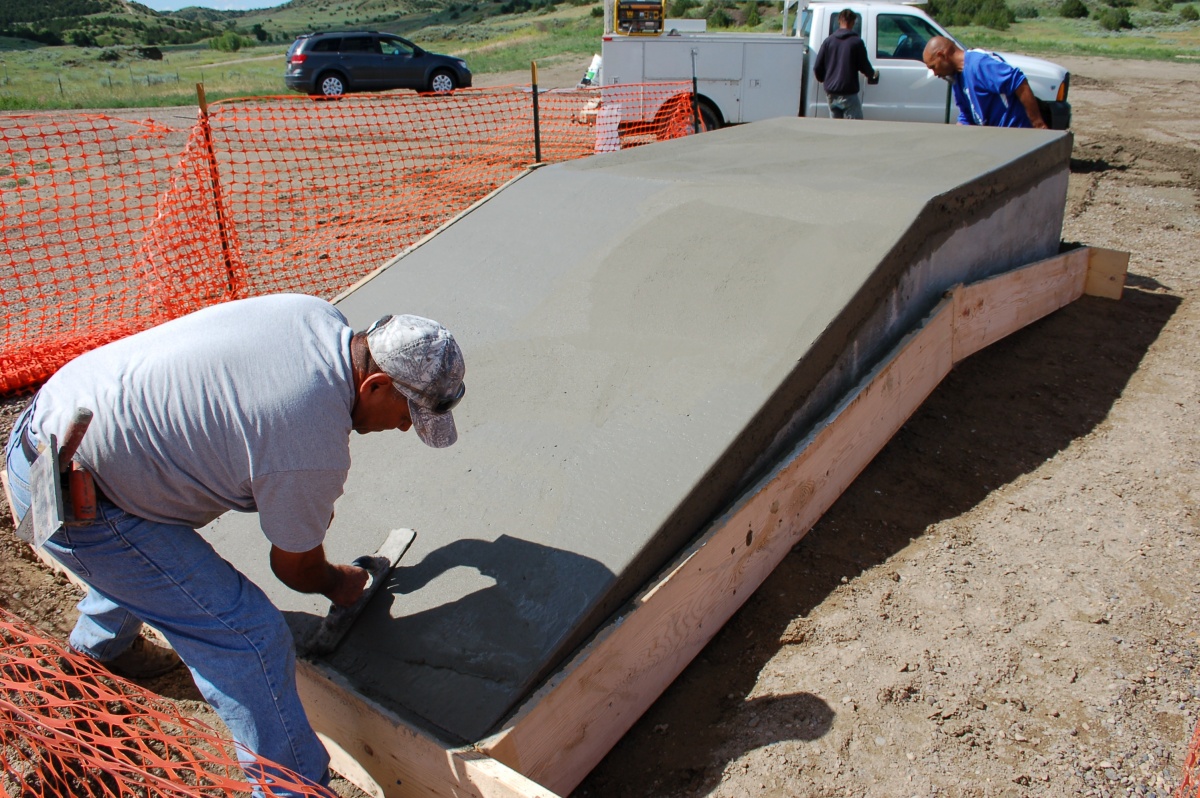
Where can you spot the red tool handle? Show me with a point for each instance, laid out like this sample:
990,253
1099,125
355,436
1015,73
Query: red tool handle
78,426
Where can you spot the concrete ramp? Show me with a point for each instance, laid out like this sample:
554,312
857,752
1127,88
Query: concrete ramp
645,331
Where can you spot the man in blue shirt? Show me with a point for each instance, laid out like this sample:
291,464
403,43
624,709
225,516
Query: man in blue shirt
987,89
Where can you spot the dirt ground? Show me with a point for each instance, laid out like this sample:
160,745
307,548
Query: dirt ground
1003,604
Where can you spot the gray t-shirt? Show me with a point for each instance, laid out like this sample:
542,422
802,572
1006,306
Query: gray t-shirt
241,406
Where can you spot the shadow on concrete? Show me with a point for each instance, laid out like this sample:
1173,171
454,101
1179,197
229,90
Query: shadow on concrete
998,415
472,621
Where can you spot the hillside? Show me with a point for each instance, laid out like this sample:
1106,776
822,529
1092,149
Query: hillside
102,23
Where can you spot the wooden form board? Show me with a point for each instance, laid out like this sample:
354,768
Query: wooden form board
565,728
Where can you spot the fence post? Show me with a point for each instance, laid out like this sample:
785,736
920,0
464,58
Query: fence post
695,97
537,130
214,179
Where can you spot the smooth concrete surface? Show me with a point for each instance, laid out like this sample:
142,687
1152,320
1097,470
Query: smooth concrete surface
643,330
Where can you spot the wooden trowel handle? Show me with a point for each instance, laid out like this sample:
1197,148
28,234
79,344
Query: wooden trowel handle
74,436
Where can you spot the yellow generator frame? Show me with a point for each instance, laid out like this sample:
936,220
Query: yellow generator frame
640,17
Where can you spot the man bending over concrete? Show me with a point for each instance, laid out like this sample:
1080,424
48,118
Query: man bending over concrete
987,89
243,406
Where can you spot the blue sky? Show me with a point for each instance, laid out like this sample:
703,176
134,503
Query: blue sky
223,5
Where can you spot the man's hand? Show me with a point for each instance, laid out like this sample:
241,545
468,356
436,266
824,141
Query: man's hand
310,572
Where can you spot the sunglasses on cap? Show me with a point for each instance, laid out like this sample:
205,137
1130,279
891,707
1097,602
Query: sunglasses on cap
446,405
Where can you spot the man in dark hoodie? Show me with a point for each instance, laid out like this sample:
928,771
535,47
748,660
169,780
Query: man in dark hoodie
841,57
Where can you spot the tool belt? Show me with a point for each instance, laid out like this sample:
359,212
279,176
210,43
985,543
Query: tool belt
77,482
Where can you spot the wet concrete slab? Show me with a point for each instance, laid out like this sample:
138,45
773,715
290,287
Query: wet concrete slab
645,331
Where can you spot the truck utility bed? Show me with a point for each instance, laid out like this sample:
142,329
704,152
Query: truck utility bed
750,76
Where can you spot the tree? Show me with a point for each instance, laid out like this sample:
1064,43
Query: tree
719,19
752,18
1073,9
227,42
1115,19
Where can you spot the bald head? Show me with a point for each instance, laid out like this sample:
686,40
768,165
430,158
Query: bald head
943,57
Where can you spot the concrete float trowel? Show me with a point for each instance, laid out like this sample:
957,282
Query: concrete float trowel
46,513
325,638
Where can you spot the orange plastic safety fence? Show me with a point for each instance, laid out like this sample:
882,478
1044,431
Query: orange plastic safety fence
69,728
77,193
111,226
1189,785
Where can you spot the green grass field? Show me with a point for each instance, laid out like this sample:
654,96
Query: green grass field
74,77
1156,36
35,77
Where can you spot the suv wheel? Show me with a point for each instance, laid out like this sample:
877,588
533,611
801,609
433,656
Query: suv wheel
331,84
442,81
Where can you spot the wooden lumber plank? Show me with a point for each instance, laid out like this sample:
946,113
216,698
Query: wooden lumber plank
1106,272
568,726
986,311
401,760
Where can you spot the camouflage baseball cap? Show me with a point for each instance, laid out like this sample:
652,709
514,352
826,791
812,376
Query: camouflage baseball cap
426,365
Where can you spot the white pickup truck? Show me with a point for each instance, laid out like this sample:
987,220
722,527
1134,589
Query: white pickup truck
744,77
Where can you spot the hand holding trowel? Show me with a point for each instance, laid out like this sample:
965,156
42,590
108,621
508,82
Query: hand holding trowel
339,620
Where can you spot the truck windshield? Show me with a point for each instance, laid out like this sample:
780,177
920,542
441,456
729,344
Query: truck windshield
804,23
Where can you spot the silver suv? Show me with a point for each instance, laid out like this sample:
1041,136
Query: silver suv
338,62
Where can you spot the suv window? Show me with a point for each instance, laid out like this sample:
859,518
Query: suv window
394,46
329,45
359,44
902,36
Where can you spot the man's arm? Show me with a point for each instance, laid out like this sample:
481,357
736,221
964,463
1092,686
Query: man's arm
819,64
1025,95
309,572
864,61
961,103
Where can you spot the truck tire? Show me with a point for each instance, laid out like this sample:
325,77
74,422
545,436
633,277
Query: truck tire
710,117
675,118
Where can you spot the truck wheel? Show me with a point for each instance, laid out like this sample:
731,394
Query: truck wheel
675,118
710,118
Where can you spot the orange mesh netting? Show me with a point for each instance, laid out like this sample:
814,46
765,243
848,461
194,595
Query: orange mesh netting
70,728
1189,785
113,226
77,194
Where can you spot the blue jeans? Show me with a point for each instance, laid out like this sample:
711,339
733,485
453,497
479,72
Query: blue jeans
232,638
845,106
